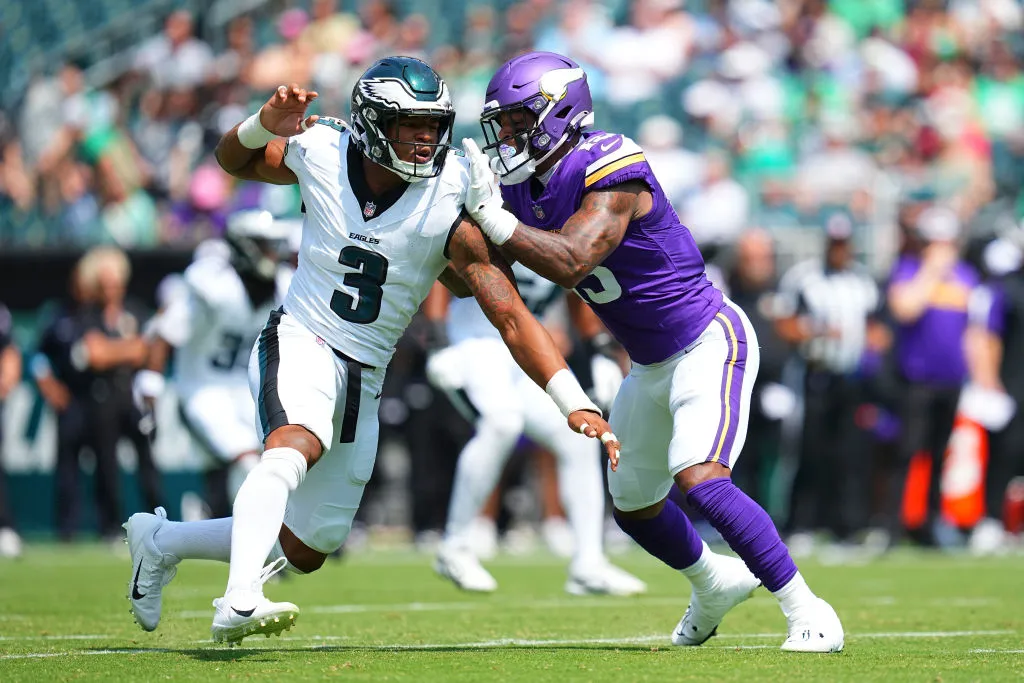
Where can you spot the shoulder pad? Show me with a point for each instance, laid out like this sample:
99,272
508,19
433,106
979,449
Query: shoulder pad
607,153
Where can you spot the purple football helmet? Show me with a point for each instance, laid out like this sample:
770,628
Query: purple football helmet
552,93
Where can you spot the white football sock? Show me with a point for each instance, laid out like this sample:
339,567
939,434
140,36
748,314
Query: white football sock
478,470
207,539
702,572
581,490
258,514
794,595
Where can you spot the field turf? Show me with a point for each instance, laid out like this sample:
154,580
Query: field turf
383,615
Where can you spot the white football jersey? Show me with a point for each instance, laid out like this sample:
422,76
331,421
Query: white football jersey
363,274
466,320
213,325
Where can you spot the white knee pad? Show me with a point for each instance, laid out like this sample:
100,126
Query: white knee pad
287,464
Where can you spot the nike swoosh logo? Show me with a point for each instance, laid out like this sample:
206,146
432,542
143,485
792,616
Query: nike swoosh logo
136,595
608,146
379,394
244,612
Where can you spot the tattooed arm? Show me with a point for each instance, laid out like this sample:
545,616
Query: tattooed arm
477,261
491,281
585,240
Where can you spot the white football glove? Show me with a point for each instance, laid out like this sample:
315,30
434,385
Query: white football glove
483,200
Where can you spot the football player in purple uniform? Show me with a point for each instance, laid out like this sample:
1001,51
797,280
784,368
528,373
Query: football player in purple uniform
582,208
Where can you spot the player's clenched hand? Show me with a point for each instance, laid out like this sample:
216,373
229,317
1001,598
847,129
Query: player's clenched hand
483,200
593,425
284,114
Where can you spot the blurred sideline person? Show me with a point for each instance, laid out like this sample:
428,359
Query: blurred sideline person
752,285
211,327
384,219
928,297
996,363
825,308
10,375
605,228
480,376
117,413
74,366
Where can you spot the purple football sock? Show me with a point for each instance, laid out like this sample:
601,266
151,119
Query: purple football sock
747,528
668,536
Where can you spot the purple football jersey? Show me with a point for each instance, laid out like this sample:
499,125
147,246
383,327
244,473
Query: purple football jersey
651,291
930,350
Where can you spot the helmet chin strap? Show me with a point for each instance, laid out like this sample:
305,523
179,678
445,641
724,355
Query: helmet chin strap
406,170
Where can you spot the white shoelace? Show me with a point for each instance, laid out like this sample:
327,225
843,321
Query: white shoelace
271,569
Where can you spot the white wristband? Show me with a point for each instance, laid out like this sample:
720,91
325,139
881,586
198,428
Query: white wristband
568,395
498,224
252,134
149,383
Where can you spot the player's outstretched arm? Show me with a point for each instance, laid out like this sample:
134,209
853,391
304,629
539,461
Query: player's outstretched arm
490,278
564,257
254,150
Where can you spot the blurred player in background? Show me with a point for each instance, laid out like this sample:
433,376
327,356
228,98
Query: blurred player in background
607,230
211,326
480,376
10,375
384,217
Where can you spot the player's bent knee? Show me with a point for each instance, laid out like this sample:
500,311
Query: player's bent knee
299,555
648,512
298,438
695,474
506,427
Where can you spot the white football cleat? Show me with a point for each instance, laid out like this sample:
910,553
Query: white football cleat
150,570
230,624
815,628
483,538
988,538
603,578
558,536
733,583
464,570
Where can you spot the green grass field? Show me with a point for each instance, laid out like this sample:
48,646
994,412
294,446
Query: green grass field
385,616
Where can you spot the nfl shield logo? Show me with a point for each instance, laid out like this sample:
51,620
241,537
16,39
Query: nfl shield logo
538,211
369,209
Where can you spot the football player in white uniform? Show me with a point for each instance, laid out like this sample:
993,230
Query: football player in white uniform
212,324
481,378
384,220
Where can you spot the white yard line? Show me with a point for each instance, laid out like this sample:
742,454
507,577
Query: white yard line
596,602
520,642
482,604
88,653
70,636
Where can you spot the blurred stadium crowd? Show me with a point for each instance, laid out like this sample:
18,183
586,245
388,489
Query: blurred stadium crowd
852,170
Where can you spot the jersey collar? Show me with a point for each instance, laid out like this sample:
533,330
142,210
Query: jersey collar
371,205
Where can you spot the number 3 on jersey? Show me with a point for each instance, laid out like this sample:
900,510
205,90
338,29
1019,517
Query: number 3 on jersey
373,270
605,290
